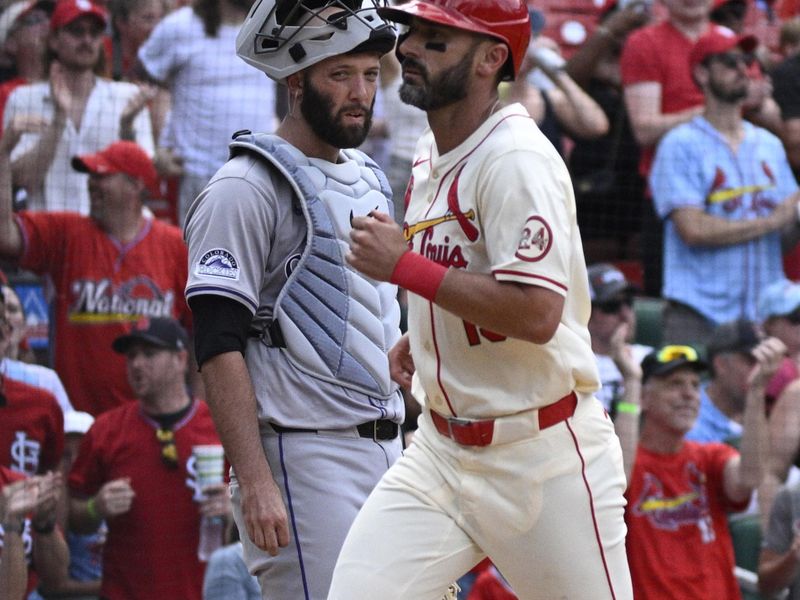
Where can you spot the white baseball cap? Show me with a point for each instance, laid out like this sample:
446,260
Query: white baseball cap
76,421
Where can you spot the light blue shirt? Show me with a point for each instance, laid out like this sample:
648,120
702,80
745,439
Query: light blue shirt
695,167
227,577
712,425
37,376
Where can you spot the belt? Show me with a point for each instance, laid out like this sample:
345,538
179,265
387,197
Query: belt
381,429
481,433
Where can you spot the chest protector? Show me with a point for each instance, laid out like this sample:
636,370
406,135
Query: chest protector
332,322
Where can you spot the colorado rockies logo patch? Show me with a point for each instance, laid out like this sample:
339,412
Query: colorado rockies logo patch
218,263
536,240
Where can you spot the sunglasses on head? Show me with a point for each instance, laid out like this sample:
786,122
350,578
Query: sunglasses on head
669,353
613,306
169,452
732,60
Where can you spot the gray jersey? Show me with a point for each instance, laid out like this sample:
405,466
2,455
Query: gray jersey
246,232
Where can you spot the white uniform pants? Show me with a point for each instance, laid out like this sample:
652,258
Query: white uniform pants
548,510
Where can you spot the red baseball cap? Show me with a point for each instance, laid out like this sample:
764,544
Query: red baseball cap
121,157
719,40
67,11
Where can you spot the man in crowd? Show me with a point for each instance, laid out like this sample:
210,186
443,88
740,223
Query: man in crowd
136,471
680,492
723,395
109,268
511,437
31,421
309,392
213,94
728,196
612,310
660,94
82,111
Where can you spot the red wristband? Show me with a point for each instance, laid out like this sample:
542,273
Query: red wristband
419,275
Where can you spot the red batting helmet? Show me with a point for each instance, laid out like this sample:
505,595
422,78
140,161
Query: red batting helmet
506,20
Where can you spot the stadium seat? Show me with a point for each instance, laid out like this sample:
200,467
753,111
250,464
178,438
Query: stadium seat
746,535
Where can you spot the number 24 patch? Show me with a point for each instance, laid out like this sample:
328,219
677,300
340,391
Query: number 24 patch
535,241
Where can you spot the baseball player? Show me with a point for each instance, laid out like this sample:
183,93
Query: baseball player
514,458
293,342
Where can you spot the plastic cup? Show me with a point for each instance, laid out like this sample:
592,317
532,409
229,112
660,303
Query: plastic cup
209,464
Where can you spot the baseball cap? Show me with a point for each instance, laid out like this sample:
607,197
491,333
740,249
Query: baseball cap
76,421
779,299
606,282
740,335
121,157
719,40
157,331
667,359
66,11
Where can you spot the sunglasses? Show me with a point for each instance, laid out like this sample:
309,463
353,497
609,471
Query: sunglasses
612,307
169,452
669,353
80,30
731,60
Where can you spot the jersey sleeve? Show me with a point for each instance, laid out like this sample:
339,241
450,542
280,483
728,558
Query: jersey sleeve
159,54
638,61
717,456
44,238
228,234
676,178
86,476
526,217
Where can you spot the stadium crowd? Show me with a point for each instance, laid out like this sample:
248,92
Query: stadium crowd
680,124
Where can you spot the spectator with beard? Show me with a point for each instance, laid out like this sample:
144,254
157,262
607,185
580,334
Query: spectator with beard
511,436
213,93
107,269
728,196
291,341
83,112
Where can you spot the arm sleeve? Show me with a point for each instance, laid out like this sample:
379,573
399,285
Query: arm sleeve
220,325
526,211
676,177
159,53
638,61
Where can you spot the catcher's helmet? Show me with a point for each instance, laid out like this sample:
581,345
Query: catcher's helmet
282,37
506,20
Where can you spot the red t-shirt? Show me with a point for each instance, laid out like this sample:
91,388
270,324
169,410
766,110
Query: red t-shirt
150,551
8,476
678,541
101,287
31,429
660,53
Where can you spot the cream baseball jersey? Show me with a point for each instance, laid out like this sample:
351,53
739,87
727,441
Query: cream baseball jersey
496,204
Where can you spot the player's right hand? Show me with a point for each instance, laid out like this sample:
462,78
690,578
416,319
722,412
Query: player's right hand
264,516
